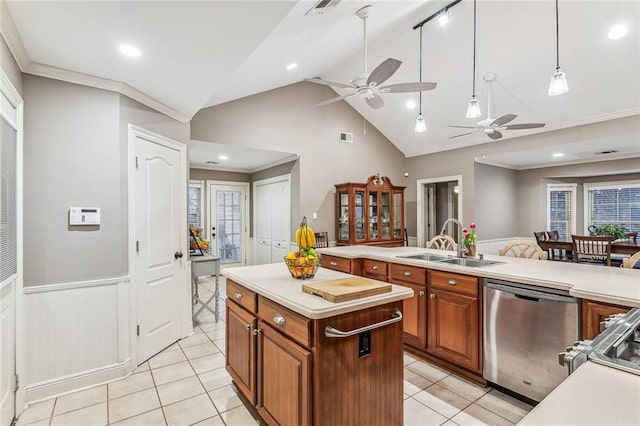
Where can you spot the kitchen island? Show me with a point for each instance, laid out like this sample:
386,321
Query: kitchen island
302,360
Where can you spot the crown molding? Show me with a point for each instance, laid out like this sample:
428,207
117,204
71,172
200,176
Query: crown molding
559,163
12,38
106,84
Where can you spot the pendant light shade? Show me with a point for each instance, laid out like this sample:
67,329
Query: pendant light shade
558,84
421,124
473,107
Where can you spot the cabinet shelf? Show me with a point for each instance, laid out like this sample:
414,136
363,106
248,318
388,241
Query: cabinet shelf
383,223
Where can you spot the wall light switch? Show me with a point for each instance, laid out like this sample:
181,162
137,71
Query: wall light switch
315,215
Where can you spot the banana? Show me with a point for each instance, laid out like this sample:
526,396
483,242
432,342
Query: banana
311,237
305,237
299,237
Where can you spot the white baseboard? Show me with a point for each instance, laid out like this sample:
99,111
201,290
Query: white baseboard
78,381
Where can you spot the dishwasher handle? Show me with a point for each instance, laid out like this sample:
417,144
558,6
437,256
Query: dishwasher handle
532,295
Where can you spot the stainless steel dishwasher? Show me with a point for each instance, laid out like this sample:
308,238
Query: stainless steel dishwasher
524,328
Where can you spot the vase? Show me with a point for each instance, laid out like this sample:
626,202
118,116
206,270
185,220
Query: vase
471,250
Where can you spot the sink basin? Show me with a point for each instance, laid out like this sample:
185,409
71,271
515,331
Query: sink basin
426,256
474,263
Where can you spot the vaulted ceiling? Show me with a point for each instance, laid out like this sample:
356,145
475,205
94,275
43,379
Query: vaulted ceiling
203,53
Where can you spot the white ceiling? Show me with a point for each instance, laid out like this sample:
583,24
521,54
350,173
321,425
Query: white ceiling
203,53
238,158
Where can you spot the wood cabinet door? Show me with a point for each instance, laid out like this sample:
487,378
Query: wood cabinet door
595,312
453,328
414,313
284,379
241,349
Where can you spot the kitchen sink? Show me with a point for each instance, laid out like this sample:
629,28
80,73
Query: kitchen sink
427,256
474,263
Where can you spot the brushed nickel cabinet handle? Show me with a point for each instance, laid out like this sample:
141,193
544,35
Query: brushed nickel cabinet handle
256,331
407,274
249,326
279,319
432,296
237,295
332,263
452,282
421,293
374,267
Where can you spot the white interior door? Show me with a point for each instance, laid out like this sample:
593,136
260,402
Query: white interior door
272,218
160,233
229,229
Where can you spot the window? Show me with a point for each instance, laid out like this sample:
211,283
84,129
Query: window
196,204
561,209
8,201
615,203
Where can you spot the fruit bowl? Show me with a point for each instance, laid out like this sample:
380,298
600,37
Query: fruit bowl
303,267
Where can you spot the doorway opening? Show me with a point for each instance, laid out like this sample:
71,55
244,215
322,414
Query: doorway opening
438,199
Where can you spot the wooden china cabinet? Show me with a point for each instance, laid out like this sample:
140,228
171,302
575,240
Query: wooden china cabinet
370,213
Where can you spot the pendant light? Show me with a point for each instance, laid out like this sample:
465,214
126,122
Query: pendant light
558,84
421,125
473,108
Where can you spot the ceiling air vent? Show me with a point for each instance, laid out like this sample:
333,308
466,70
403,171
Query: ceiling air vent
323,6
608,151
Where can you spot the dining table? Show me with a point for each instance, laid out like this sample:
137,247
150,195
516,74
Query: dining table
625,246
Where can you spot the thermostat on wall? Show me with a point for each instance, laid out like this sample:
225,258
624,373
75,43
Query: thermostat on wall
84,215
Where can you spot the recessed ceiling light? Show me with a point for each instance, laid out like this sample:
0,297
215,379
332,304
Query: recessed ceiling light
411,104
618,31
557,154
129,50
292,66
222,157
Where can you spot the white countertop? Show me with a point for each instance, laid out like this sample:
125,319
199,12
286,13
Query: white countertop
274,282
606,284
593,395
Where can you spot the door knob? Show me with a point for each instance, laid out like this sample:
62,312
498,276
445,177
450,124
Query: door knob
178,255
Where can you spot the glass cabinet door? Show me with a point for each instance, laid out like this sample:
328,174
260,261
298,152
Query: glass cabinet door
343,219
385,208
373,215
359,215
397,215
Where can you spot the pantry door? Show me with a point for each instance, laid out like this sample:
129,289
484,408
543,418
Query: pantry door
160,240
272,219
228,221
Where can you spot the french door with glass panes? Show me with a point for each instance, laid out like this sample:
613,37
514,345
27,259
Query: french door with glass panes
228,221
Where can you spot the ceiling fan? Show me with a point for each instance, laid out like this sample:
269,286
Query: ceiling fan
367,86
493,127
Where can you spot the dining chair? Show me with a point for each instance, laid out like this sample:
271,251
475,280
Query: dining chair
632,262
442,242
594,250
322,240
553,235
541,236
633,236
524,249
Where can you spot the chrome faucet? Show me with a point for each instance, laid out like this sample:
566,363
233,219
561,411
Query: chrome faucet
461,249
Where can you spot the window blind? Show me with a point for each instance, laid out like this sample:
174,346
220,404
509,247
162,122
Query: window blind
614,204
8,224
561,209
195,205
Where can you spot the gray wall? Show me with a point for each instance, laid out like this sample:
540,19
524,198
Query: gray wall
496,205
285,120
9,66
75,154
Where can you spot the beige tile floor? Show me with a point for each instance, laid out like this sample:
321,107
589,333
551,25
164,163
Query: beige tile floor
187,384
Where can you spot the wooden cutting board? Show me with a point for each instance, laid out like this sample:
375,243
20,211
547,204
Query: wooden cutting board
346,289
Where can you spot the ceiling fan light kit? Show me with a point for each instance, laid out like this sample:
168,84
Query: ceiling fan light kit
558,84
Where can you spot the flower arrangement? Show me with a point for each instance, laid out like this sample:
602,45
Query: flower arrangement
469,237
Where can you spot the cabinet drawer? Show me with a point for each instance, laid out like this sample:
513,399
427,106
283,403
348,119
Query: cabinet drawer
375,267
336,263
409,274
241,295
454,282
288,322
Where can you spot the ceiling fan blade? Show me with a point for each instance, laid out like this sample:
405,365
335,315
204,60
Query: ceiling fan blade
329,83
465,127
407,87
383,71
495,135
524,126
463,134
375,102
332,100
503,120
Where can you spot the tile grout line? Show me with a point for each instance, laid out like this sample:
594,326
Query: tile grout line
153,379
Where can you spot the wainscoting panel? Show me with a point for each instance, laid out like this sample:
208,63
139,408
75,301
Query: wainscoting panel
76,335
